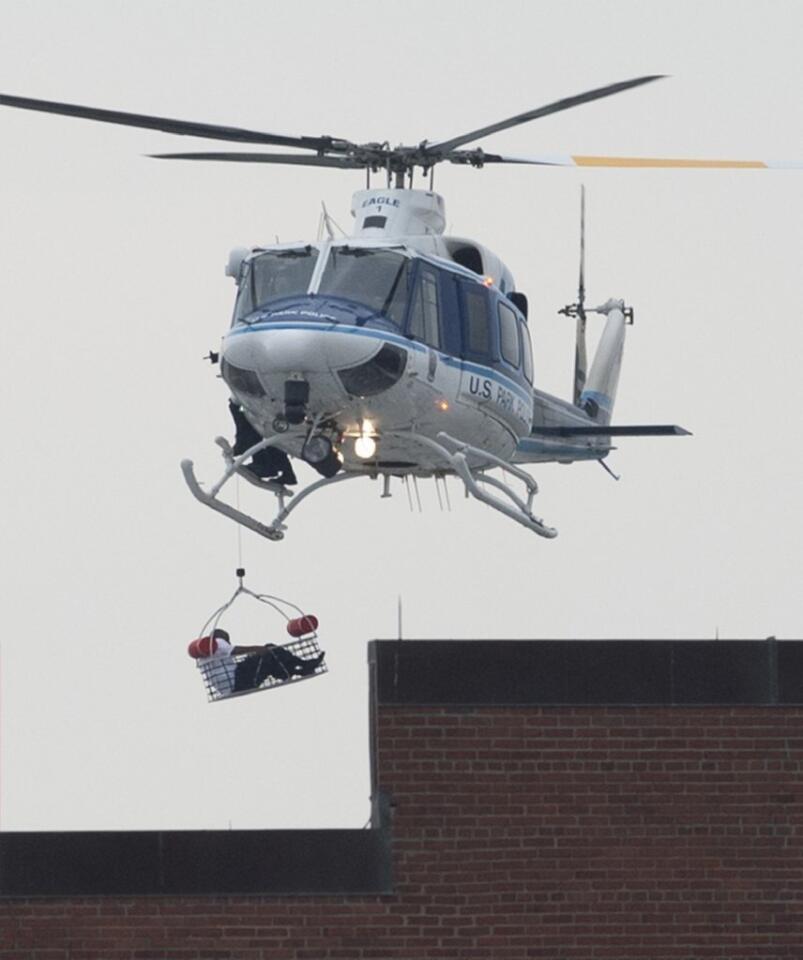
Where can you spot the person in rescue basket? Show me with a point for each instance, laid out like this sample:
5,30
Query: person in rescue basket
270,660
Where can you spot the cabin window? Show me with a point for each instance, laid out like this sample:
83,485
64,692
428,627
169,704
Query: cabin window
509,335
278,273
528,353
424,316
372,276
476,329
519,300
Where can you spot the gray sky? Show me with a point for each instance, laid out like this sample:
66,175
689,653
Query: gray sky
112,290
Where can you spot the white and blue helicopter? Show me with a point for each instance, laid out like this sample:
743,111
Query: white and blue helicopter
397,351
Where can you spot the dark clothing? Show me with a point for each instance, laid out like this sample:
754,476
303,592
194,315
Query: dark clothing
275,662
270,462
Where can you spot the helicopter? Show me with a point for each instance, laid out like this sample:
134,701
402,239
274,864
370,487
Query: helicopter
398,351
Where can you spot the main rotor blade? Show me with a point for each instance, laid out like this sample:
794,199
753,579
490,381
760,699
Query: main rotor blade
348,163
685,162
182,127
444,146
479,158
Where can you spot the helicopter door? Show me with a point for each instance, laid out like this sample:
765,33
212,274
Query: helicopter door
477,350
476,329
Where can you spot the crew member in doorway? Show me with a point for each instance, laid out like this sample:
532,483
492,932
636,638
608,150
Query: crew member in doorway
270,660
270,463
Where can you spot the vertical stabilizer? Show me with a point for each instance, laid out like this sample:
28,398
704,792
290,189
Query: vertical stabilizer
598,397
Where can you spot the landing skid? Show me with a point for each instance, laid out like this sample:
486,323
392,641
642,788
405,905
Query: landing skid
513,507
272,531
454,452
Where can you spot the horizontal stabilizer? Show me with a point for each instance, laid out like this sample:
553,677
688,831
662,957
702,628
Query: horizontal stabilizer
594,430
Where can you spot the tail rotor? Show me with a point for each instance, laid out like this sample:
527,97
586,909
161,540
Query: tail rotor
594,390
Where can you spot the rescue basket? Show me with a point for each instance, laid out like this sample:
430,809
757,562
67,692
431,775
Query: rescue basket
226,675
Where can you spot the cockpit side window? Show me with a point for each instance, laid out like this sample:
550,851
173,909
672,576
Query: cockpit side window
374,277
274,274
245,297
424,321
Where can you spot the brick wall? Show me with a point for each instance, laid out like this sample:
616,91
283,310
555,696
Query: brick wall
518,832
599,832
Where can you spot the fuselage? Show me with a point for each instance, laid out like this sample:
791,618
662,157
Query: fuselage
393,339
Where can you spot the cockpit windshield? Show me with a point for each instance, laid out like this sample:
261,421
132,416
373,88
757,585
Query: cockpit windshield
375,277
277,273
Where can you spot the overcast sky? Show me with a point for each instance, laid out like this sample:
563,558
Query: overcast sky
112,290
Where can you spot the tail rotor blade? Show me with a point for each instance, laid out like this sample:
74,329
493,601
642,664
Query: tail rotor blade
580,360
581,286
580,354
